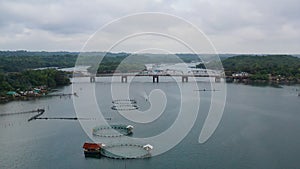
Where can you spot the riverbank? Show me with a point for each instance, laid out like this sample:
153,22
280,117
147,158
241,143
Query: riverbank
31,83
6,99
263,82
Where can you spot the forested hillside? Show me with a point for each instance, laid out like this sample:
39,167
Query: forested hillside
260,66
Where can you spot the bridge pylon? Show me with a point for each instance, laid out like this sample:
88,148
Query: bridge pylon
92,79
155,79
184,79
124,79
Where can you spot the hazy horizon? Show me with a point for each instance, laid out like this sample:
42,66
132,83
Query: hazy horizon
230,53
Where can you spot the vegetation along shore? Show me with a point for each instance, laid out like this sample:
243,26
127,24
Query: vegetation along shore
20,78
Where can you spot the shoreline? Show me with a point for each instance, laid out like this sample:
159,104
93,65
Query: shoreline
263,82
7,99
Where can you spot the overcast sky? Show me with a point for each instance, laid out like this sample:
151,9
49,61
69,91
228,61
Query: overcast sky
233,26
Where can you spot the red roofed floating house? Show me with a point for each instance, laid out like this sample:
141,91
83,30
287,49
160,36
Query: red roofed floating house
92,149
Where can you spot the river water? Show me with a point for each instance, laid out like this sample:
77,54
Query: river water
260,128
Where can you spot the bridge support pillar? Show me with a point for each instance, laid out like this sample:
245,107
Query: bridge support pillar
124,79
92,79
184,79
155,79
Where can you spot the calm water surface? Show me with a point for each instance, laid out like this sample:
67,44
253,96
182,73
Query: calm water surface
260,128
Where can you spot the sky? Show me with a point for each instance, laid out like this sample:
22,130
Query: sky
232,26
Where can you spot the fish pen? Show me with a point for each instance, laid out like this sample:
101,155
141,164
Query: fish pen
124,101
126,151
117,151
113,130
124,105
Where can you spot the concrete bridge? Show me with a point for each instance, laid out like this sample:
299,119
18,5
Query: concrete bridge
155,77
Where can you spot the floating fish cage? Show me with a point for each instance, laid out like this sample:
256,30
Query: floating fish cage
124,101
124,107
127,151
113,130
117,151
124,104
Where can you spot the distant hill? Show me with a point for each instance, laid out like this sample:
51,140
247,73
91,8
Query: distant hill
297,55
16,61
20,60
283,65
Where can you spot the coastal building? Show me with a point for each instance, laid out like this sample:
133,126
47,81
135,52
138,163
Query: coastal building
179,69
12,93
240,74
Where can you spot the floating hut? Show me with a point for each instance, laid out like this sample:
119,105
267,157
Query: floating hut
129,129
92,149
148,147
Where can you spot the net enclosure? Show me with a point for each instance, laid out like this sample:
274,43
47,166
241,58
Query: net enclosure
113,130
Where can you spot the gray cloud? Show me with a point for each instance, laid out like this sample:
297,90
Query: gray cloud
238,26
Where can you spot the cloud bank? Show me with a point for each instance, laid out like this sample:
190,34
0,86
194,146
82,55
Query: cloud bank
234,26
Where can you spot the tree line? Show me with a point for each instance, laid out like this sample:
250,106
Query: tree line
26,80
260,67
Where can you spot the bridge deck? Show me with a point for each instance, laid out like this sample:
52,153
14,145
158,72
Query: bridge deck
179,75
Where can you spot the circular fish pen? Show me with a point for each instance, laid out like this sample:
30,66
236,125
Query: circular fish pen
125,107
126,151
124,101
112,130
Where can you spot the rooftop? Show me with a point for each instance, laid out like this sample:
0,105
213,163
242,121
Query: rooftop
91,146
